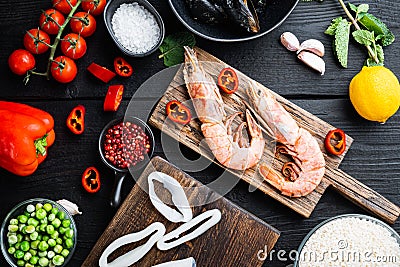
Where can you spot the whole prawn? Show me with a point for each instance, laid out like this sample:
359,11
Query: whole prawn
231,150
303,175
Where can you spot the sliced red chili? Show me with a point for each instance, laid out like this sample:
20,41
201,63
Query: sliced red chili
122,67
178,112
76,120
100,72
113,98
335,142
228,80
91,180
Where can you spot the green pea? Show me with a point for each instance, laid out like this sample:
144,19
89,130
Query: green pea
45,238
50,254
13,228
51,242
54,211
59,241
39,237
32,251
33,236
12,240
54,235
27,238
22,218
42,254
27,256
40,214
51,217
65,252
58,260
66,223
21,227
23,230
69,243
35,244
56,223
61,215
69,233
42,227
25,246
43,246
20,263
62,230
50,229
19,236
30,229
26,213
29,265
17,246
33,214
43,262
57,249
11,250
39,206
34,260
19,254
47,207
44,220
14,221
33,221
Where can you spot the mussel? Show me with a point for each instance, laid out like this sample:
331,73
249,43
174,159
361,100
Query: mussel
241,12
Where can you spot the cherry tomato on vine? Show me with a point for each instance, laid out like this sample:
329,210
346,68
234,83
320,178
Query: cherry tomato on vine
94,7
35,41
63,6
63,69
20,61
83,23
51,20
73,45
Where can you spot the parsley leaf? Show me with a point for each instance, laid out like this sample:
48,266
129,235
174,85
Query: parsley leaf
172,47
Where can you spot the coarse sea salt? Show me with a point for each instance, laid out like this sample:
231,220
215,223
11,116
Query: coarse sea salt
135,28
351,241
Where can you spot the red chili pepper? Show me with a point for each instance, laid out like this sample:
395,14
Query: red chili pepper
335,142
228,81
76,120
178,112
113,97
122,67
91,180
100,72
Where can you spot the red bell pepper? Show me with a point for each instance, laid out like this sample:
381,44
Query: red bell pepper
113,97
178,112
335,142
91,180
76,120
122,67
26,133
100,72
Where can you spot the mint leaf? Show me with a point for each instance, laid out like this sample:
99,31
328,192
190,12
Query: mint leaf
379,53
332,28
353,7
363,8
342,35
364,37
374,24
172,47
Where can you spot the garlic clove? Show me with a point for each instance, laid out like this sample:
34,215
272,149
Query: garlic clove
72,208
290,41
313,61
314,46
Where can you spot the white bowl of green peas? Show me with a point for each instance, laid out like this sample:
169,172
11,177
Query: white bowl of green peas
38,233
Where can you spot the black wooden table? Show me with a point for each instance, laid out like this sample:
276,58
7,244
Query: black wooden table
374,157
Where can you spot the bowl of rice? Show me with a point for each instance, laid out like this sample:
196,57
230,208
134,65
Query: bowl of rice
350,240
135,26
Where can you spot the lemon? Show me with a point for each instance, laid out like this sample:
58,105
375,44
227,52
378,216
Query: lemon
375,93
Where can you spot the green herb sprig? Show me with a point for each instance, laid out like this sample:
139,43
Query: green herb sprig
172,48
374,34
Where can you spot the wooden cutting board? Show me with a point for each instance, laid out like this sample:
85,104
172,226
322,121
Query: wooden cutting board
191,136
234,241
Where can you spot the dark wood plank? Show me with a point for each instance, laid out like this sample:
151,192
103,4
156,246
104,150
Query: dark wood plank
233,247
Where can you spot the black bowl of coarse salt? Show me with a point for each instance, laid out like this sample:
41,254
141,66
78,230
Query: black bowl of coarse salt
135,26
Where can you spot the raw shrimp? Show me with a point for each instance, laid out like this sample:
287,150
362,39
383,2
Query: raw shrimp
303,175
231,150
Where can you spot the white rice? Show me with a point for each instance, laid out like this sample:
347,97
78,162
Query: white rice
135,28
351,241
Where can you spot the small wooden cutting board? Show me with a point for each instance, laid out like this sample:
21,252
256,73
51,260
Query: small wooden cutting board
191,136
234,241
